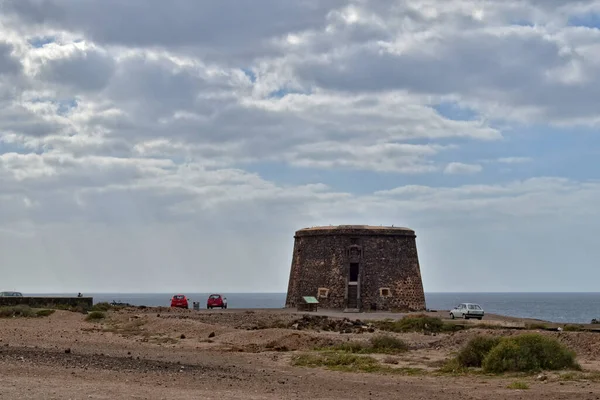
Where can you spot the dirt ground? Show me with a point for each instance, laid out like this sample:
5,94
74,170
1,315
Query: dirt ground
158,353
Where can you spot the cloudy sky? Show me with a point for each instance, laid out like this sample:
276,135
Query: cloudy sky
152,145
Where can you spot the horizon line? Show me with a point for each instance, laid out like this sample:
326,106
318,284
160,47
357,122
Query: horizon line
224,291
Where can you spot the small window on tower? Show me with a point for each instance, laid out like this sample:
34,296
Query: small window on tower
385,292
323,293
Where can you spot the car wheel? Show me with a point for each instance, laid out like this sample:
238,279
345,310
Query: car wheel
465,316
479,318
451,316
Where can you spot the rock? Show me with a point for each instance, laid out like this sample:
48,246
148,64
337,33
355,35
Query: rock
182,336
211,335
542,377
67,351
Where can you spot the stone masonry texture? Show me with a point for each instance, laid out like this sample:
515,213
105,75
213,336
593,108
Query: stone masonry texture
389,275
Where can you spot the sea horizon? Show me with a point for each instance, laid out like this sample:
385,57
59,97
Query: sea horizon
562,307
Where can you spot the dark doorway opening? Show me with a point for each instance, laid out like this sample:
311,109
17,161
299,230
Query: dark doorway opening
353,272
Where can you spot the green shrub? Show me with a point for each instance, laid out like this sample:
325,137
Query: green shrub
574,328
95,316
383,344
388,344
16,311
44,313
65,307
476,350
104,306
529,352
417,323
337,361
519,385
536,326
420,323
350,347
452,366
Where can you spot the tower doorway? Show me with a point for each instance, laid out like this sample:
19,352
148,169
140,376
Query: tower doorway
353,286
353,272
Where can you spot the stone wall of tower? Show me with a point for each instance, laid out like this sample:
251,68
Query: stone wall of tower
389,271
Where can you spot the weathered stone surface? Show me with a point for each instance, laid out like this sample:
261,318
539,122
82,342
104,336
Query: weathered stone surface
387,262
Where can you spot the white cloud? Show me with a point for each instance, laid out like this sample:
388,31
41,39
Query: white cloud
462,168
514,160
137,137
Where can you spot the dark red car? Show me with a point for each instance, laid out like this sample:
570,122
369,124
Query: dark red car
179,300
216,300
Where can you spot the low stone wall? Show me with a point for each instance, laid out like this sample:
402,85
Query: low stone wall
46,301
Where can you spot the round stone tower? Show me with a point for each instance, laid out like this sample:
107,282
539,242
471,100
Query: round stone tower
357,267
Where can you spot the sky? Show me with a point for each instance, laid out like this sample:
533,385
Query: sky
158,146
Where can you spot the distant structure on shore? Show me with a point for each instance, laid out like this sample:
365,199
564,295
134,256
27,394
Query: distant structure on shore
356,268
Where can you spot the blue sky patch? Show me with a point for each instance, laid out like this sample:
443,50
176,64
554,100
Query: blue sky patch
454,111
589,20
41,41
522,22
280,93
250,74
65,106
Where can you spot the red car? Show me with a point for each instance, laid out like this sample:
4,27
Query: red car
216,300
179,300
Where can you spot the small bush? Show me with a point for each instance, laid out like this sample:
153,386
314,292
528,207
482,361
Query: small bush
44,313
390,360
350,347
16,311
351,363
65,307
383,344
104,306
536,326
529,352
95,316
518,385
417,323
337,361
388,344
574,328
476,350
452,366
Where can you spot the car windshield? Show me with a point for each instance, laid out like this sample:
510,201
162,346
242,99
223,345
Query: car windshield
215,296
178,297
474,307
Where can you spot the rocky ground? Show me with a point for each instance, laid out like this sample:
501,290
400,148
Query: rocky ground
243,354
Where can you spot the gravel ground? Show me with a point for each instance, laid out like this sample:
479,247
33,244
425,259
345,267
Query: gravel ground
161,354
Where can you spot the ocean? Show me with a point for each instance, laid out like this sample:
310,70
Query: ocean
555,307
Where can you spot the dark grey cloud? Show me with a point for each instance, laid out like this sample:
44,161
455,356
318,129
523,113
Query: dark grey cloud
452,64
8,63
20,120
511,68
237,28
156,88
85,70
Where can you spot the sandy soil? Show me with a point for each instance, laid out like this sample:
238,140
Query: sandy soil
243,354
